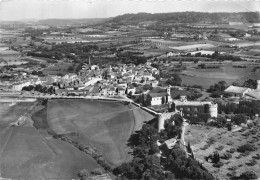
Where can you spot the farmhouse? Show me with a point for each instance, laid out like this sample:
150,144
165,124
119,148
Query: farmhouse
237,91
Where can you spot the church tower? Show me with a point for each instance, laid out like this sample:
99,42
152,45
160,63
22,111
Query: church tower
169,93
89,63
258,85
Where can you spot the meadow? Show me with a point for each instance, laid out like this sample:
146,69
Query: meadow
60,68
105,125
207,77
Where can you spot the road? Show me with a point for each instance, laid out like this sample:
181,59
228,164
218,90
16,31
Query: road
183,132
119,98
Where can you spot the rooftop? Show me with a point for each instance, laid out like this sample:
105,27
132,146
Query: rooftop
162,94
236,89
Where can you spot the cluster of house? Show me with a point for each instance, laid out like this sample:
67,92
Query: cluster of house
91,80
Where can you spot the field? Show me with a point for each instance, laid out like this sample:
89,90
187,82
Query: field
105,125
10,114
246,44
193,46
207,77
27,153
12,61
60,68
223,141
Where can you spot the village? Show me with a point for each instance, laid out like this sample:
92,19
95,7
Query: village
131,98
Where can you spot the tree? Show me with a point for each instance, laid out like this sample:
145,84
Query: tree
250,83
248,175
175,80
34,72
246,147
71,69
202,66
83,173
196,61
97,171
189,150
238,119
215,157
229,126
184,167
221,121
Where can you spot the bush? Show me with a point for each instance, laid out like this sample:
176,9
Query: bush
230,143
257,156
233,168
252,162
218,165
246,147
97,171
232,150
248,175
83,173
220,147
211,140
226,156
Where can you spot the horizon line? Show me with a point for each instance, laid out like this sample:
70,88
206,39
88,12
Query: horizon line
35,19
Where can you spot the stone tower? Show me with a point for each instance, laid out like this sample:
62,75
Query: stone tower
169,94
258,85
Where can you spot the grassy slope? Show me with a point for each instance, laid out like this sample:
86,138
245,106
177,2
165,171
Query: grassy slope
24,153
140,116
106,125
10,114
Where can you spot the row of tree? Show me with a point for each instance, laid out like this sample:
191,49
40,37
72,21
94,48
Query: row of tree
39,88
248,108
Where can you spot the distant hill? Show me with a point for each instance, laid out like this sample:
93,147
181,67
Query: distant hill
58,22
190,17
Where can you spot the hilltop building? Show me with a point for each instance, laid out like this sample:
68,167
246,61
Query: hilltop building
194,108
160,98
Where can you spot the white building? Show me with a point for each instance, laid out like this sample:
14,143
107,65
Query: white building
160,98
237,91
19,86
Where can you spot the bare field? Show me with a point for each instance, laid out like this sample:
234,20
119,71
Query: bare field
26,153
10,114
105,125
223,141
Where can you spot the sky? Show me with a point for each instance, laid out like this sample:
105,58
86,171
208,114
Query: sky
74,9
